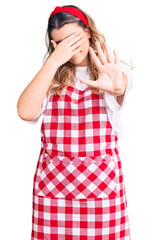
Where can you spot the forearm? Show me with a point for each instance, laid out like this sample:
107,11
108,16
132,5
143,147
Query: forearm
30,102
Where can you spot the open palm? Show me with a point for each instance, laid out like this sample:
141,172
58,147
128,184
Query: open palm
109,71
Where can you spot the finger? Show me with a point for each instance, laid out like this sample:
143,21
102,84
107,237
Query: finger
75,39
109,53
116,56
97,91
95,59
71,36
67,39
76,50
90,83
100,53
78,43
54,43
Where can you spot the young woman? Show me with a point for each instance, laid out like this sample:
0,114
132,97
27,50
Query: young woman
78,190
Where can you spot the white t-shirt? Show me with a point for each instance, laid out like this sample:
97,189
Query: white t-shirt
113,107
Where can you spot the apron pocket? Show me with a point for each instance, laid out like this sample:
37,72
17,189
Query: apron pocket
78,178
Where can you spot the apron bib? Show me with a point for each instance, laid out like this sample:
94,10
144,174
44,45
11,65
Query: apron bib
79,146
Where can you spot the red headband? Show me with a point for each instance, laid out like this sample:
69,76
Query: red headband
74,11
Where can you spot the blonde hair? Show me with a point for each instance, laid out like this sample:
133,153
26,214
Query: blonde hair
65,74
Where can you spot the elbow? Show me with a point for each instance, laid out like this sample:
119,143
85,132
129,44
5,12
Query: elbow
27,116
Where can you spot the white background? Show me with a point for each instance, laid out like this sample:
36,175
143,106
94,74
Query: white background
127,26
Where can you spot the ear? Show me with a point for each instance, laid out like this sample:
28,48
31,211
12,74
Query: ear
87,31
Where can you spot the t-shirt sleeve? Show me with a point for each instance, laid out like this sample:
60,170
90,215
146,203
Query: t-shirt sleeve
111,100
44,104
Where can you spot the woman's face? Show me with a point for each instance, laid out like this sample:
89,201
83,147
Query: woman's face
81,57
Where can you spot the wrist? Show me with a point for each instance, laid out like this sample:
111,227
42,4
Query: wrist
117,91
53,62
120,90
